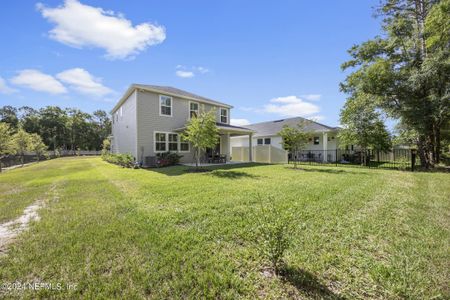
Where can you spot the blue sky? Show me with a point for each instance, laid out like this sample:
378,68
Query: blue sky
269,59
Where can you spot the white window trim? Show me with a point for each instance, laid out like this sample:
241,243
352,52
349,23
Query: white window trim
227,116
166,133
171,106
198,108
154,142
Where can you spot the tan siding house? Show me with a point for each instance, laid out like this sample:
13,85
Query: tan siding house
148,120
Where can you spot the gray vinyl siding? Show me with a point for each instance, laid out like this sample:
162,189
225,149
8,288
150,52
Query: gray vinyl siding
124,127
149,121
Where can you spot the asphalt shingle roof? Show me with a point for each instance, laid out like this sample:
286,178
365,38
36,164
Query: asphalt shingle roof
273,127
181,93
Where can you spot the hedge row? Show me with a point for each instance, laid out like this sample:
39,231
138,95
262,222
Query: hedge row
124,160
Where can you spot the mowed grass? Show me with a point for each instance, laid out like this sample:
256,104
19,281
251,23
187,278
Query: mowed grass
164,233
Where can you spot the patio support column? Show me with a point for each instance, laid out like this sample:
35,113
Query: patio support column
325,146
250,147
227,148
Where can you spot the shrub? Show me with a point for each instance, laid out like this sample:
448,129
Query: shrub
168,159
124,160
273,231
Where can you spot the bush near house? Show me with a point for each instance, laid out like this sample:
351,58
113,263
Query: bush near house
124,160
168,159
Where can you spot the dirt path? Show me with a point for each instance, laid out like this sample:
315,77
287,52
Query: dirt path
10,230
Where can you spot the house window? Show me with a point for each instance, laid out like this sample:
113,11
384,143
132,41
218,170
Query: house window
160,141
224,115
260,141
165,105
173,142
193,109
316,140
267,141
184,145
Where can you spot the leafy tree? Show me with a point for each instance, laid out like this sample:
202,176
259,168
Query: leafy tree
295,139
407,70
36,145
362,126
21,143
53,130
202,133
79,129
8,114
29,119
5,141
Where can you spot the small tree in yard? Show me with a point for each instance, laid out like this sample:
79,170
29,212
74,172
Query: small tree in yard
21,143
294,139
36,145
106,146
274,231
5,140
202,133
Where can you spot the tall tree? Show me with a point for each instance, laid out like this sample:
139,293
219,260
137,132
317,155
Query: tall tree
363,126
8,114
53,129
202,133
29,119
406,71
5,141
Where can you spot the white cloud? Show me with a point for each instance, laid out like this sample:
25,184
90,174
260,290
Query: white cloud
239,122
4,88
290,106
184,74
82,81
202,70
188,72
79,25
38,81
312,97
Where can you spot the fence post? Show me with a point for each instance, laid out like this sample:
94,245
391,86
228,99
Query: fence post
335,157
413,159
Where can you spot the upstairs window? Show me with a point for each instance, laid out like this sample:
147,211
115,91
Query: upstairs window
259,141
316,140
173,142
224,116
267,141
160,141
165,105
193,109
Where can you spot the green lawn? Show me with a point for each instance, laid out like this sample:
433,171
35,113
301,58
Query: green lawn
122,233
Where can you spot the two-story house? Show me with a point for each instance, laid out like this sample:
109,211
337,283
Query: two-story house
148,120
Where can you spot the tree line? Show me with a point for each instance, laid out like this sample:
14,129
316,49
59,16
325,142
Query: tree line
60,129
403,74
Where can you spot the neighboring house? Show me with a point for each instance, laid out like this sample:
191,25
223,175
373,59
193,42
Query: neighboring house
323,138
148,120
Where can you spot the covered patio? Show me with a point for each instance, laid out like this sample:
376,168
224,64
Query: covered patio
221,153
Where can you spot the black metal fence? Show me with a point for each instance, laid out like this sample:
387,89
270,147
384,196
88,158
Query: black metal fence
402,159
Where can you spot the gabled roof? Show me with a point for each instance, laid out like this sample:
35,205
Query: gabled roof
170,91
271,128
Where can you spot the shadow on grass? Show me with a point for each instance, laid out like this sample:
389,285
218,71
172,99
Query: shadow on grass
182,170
307,283
329,170
231,174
